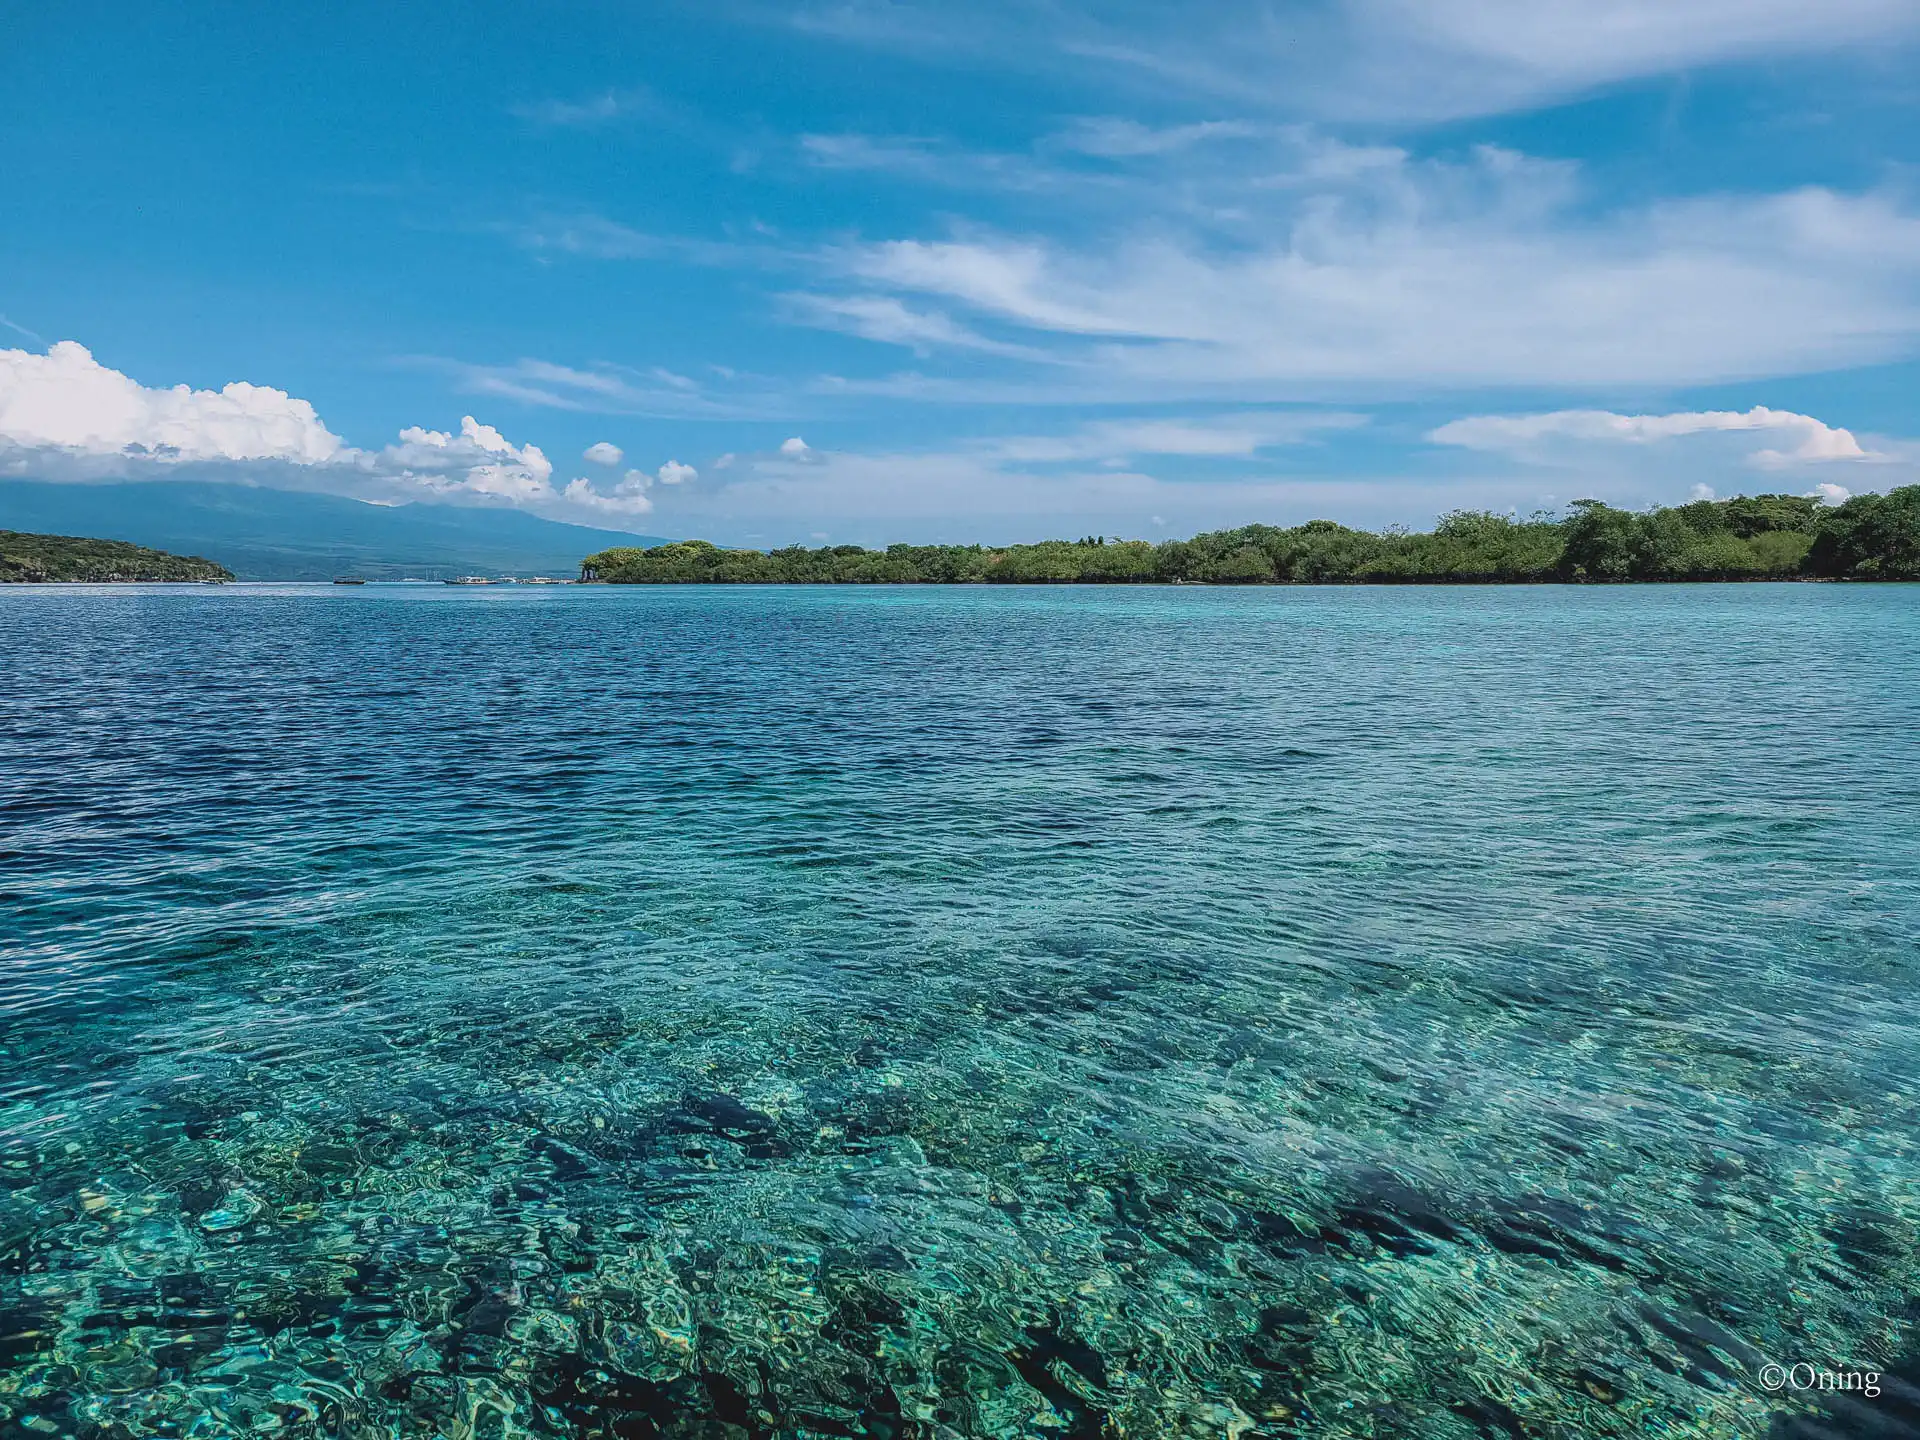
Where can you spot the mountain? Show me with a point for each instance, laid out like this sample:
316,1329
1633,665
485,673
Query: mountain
262,534
37,559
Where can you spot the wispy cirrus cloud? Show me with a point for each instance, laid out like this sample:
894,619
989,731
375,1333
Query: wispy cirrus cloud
551,234
1516,52
1239,239
887,319
593,112
615,389
1369,60
1494,270
1116,137
1086,158
1240,434
1276,262
22,331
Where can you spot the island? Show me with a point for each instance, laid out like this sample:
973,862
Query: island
1757,537
51,559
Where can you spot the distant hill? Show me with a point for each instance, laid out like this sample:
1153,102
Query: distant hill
39,559
262,534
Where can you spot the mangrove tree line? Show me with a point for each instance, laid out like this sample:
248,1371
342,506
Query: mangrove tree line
1757,537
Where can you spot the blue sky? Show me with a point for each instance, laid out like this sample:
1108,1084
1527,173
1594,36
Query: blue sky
885,271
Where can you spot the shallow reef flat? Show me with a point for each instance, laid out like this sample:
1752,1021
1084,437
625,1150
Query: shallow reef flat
1094,1013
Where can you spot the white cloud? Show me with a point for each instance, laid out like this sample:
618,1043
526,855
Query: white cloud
1266,262
1046,169
982,494
1447,59
587,235
885,319
674,473
66,400
1488,272
1134,166
794,447
1480,55
1803,439
1116,138
1018,488
1701,454
595,111
629,497
477,461
1367,59
603,452
66,417
1052,169
19,329
1242,435
606,389
869,152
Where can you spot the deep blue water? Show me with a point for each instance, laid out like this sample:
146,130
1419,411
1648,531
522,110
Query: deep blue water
934,1013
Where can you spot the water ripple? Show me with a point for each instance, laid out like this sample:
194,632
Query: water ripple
930,1013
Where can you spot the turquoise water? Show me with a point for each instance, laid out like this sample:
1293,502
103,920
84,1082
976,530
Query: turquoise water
934,1013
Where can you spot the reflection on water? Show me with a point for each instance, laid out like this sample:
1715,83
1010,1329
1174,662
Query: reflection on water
919,1013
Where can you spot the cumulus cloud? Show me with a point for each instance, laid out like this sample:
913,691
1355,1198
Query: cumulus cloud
477,461
674,473
794,447
65,416
629,497
1802,439
603,453
65,400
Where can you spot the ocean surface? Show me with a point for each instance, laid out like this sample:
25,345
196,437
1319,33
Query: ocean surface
948,1013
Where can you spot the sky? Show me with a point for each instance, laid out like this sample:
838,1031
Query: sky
897,270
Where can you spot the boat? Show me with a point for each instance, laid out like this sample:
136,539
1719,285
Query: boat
474,580
349,582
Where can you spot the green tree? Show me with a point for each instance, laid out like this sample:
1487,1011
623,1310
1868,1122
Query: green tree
1246,566
1602,543
1747,537
1870,537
